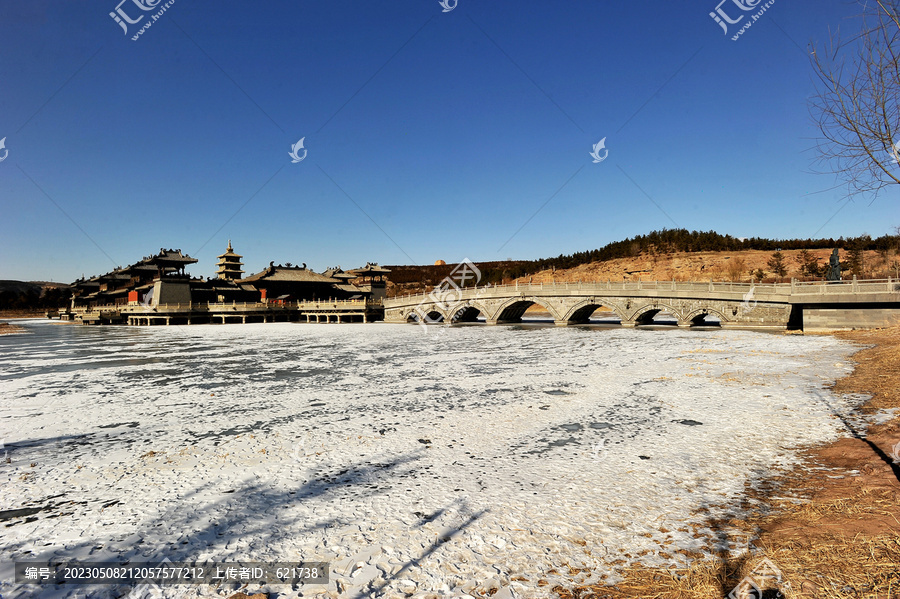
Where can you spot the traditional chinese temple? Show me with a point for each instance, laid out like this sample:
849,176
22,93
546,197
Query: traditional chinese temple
157,289
229,265
291,283
159,278
372,280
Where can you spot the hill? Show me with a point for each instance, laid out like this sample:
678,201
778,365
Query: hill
25,298
681,255
720,266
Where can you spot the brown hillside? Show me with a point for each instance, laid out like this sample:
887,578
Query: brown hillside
702,266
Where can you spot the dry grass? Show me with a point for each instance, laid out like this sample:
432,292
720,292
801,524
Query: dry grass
10,329
701,266
841,540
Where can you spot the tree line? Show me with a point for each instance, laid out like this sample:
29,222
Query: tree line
31,297
666,241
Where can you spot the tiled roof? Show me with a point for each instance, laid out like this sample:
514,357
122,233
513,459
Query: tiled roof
288,274
370,269
337,273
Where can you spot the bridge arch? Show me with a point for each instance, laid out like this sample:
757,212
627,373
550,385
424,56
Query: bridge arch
696,317
467,312
581,312
645,314
512,309
431,313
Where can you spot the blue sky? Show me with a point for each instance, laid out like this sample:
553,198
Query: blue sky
430,135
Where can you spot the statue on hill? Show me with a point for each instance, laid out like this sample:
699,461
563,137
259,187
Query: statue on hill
833,273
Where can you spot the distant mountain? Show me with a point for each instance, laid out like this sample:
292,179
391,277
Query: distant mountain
32,295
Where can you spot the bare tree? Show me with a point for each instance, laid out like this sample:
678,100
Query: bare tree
735,268
857,105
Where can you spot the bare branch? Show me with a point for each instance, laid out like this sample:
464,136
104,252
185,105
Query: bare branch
857,105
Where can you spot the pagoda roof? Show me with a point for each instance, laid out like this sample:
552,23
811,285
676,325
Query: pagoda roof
229,253
116,275
166,261
288,274
338,273
83,283
170,257
141,267
370,269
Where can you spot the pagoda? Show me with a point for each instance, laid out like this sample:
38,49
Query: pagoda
229,265
371,280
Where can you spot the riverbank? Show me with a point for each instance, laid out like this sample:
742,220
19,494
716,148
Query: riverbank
829,527
10,329
23,313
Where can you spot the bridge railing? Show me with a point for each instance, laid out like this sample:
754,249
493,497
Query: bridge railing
621,286
889,285
793,288
228,306
338,304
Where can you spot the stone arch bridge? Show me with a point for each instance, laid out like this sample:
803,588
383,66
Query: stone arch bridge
779,305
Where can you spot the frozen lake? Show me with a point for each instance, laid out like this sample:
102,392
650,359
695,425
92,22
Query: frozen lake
453,461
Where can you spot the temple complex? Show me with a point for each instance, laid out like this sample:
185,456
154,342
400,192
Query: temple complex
157,290
158,276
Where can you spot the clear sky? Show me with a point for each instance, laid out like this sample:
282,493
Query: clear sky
430,134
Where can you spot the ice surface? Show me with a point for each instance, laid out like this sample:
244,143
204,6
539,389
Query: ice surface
465,458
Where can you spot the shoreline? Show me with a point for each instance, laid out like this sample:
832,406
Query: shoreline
20,314
11,329
829,525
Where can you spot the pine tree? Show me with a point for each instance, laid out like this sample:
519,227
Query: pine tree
776,264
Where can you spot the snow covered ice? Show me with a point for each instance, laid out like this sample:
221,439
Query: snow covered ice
436,465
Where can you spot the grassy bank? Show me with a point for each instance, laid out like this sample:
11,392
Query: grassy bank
10,329
831,526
